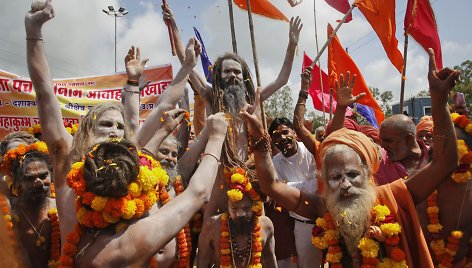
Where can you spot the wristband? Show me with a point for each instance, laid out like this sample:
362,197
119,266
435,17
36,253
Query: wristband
303,94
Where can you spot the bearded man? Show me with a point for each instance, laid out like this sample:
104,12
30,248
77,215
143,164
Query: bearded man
358,223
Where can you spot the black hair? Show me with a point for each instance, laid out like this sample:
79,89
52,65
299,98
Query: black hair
279,121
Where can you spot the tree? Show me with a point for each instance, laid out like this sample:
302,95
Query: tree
385,98
280,104
423,93
466,82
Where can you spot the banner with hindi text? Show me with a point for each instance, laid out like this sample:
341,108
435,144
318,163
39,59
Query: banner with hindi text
18,108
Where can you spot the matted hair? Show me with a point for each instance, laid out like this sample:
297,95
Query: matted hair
20,135
18,166
84,138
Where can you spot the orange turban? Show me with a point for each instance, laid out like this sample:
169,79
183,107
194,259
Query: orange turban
367,150
426,123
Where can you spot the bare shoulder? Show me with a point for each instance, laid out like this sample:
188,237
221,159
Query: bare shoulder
266,224
212,225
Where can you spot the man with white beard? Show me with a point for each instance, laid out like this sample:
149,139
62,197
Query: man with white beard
358,224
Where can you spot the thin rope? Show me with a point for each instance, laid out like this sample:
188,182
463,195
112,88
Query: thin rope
462,205
319,65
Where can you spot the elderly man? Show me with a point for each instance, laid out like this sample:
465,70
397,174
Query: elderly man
424,130
358,223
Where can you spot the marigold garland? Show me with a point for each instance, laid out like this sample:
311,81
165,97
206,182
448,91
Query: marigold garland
35,130
239,184
225,244
101,212
325,235
21,151
443,251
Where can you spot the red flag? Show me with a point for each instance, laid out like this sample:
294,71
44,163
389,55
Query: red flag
315,87
339,62
421,25
263,8
381,16
341,6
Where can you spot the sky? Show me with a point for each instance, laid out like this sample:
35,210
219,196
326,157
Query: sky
79,41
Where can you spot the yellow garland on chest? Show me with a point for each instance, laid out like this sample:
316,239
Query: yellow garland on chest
326,236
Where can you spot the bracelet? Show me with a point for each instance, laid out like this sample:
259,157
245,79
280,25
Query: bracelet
214,156
303,94
131,91
133,83
444,135
34,38
301,103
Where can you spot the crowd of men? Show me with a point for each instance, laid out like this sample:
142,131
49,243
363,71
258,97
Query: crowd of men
223,191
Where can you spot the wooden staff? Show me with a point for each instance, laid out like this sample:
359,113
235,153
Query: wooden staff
332,35
231,22
402,90
171,35
319,65
254,56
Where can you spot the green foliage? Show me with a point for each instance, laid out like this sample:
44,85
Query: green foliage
280,104
384,99
423,93
316,120
466,82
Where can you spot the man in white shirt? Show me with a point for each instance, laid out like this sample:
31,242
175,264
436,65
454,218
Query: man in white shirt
296,166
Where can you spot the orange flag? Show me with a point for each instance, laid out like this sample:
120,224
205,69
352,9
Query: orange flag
339,62
263,8
381,16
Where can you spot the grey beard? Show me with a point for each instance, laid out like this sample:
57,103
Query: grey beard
352,216
234,97
172,172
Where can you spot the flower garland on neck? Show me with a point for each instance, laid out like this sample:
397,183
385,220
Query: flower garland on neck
464,172
239,185
184,241
225,244
325,235
99,212
21,151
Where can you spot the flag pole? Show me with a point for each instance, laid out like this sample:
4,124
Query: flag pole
254,56
231,22
319,65
330,103
402,90
332,35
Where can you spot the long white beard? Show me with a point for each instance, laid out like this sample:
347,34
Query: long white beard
352,215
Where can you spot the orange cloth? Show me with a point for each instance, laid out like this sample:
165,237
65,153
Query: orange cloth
263,8
362,144
426,123
381,16
339,62
199,114
398,199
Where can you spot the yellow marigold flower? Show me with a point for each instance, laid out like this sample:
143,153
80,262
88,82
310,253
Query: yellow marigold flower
238,178
235,195
321,222
224,234
248,187
255,265
41,146
130,209
81,214
391,229
433,209
434,228
468,128
78,165
334,258
438,246
319,242
257,254
461,177
457,234
331,234
454,116
381,212
225,251
161,175
109,218
99,203
369,248
134,189
145,177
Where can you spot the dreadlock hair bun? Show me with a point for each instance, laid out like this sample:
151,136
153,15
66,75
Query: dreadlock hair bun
111,167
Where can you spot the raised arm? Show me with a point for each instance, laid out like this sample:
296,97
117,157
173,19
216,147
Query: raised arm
299,114
156,230
282,79
49,110
183,134
171,95
205,248
344,98
197,81
291,198
130,95
445,158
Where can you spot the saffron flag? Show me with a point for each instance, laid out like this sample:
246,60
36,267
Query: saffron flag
341,6
421,25
339,62
206,63
381,16
263,8
319,87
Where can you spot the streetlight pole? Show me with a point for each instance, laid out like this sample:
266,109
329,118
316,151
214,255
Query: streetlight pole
116,13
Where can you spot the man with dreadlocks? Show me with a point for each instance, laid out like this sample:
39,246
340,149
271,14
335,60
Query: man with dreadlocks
233,89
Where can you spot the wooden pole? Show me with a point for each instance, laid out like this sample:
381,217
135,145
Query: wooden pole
319,65
169,30
254,56
402,89
231,22
330,103
332,35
